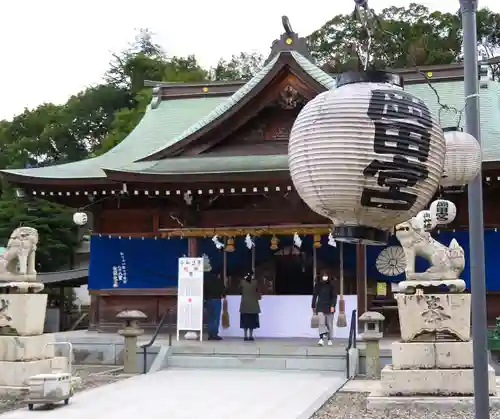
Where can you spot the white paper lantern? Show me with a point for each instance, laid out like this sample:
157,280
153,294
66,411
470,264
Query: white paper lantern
463,159
80,218
427,219
366,155
443,211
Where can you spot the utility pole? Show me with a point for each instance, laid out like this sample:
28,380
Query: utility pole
468,9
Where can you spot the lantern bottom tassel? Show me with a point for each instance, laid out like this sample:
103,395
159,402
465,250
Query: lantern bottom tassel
342,319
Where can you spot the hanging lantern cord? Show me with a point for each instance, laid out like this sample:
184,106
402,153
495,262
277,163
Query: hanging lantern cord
371,21
365,18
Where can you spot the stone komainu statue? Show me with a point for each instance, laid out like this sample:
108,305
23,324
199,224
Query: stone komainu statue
19,257
446,263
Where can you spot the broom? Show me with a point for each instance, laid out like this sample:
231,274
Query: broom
341,318
225,315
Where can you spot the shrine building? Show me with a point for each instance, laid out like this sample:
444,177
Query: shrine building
208,164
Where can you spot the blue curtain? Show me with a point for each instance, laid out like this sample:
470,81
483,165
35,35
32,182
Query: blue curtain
153,263
492,255
134,262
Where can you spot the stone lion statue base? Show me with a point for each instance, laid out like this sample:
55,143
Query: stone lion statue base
446,263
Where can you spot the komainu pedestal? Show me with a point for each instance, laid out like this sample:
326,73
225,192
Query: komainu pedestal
24,350
434,357
22,314
424,317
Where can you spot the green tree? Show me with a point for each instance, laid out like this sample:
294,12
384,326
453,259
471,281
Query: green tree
85,120
488,33
142,60
403,37
58,234
186,70
52,134
240,67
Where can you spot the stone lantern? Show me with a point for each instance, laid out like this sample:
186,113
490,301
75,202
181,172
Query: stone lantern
372,333
130,332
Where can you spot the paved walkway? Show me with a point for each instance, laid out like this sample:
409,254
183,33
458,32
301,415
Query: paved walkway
207,394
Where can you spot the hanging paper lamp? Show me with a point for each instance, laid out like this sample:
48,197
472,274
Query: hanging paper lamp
80,218
463,159
274,243
443,211
207,267
427,220
230,245
366,155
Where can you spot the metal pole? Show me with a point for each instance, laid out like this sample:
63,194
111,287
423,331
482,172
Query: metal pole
468,10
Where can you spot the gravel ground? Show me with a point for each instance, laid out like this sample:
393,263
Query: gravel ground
92,376
353,406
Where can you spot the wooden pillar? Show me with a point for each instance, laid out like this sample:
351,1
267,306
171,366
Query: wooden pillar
361,283
94,312
192,247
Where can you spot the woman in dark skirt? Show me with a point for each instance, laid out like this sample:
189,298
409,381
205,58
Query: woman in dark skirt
249,306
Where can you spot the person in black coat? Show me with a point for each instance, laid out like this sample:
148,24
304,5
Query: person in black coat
214,291
323,304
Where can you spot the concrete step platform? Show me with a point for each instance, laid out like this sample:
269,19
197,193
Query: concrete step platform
259,348
277,363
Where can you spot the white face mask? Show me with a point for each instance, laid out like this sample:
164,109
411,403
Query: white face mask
325,278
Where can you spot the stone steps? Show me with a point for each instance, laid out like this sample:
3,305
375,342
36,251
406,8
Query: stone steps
269,362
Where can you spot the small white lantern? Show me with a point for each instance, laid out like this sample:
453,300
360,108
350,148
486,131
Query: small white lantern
427,219
80,218
366,155
463,159
443,211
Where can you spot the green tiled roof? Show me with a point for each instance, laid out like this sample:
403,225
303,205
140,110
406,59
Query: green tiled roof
164,126
315,72
205,165
156,128
452,94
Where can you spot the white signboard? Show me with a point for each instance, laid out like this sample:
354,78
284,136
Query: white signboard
190,296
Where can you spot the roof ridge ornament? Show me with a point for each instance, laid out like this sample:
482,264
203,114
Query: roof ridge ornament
155,102
289,41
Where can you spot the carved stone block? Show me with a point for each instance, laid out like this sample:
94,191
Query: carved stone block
26,348
22,314
435,382
16,374
422,317
431,355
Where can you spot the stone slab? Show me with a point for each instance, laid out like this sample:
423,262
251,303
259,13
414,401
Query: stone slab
436,382
428,355
15,374
430,313
410,287
258,363
375,401
26,348
59,364
24,314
